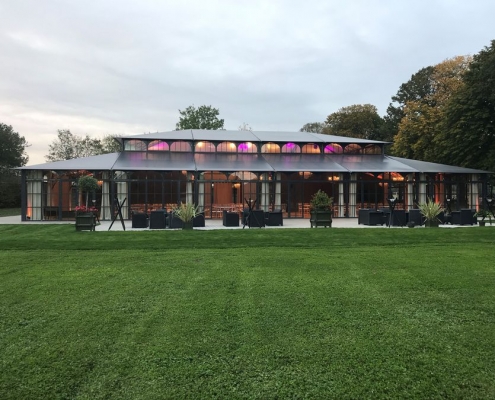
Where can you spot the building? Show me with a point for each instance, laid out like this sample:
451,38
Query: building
221,169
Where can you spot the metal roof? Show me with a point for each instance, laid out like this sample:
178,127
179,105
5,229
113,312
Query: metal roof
371,163
303,162
249,136
429,167
101,162
154,161
254,162
231,162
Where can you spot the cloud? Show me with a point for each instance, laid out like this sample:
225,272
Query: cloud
117,67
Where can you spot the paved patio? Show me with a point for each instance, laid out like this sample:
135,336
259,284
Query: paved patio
217,224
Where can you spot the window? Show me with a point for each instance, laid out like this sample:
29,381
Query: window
135,145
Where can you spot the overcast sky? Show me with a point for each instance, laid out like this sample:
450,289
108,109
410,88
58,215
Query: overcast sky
127,67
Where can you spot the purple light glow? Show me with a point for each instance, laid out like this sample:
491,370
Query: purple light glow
291,145
329,149
243,147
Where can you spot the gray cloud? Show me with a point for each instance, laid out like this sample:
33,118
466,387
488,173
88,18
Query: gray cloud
125,67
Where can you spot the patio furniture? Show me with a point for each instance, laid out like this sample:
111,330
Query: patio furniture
140,220
230,218
255,219
158,219
397,218
464,216
274,218
414,215
174,222
371,217
199,220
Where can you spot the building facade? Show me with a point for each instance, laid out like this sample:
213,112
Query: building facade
223,169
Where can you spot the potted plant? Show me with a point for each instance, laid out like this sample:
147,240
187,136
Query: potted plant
321,209
482,213
87,184
86,216
430,211
186,213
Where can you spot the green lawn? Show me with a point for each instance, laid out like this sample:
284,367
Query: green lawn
302,313
9,212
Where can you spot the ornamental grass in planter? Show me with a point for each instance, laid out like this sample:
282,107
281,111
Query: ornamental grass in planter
430,211
186,213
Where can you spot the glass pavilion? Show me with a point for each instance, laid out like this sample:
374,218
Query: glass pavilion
221,169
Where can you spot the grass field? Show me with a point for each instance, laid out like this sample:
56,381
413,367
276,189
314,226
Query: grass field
321,313
9,212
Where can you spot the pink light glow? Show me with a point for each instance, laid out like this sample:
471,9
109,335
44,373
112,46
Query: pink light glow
243,147
330,149
291,145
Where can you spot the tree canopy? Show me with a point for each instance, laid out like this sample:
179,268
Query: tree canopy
203,117
421,132
358,121
416,89
12,155
68,146
470,115
313,127
12,148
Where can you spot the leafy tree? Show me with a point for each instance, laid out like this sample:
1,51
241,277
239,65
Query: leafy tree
358,121
203,117
12,148
470,115
313,127
417,89
420,133
87,184
245,127
68,146
12,155
110,145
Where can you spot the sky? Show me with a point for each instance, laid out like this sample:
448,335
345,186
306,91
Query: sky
128,67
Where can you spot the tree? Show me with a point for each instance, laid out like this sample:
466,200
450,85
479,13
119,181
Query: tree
203,117
417,89
470,115
358,121
245,127
68,146
313,127
12,148
110,144
12,155
87,184
421,129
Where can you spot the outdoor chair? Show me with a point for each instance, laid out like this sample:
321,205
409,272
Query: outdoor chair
274,218
174,222
464,216
140,220
415,216
158,219
199,220
256,219
230,218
